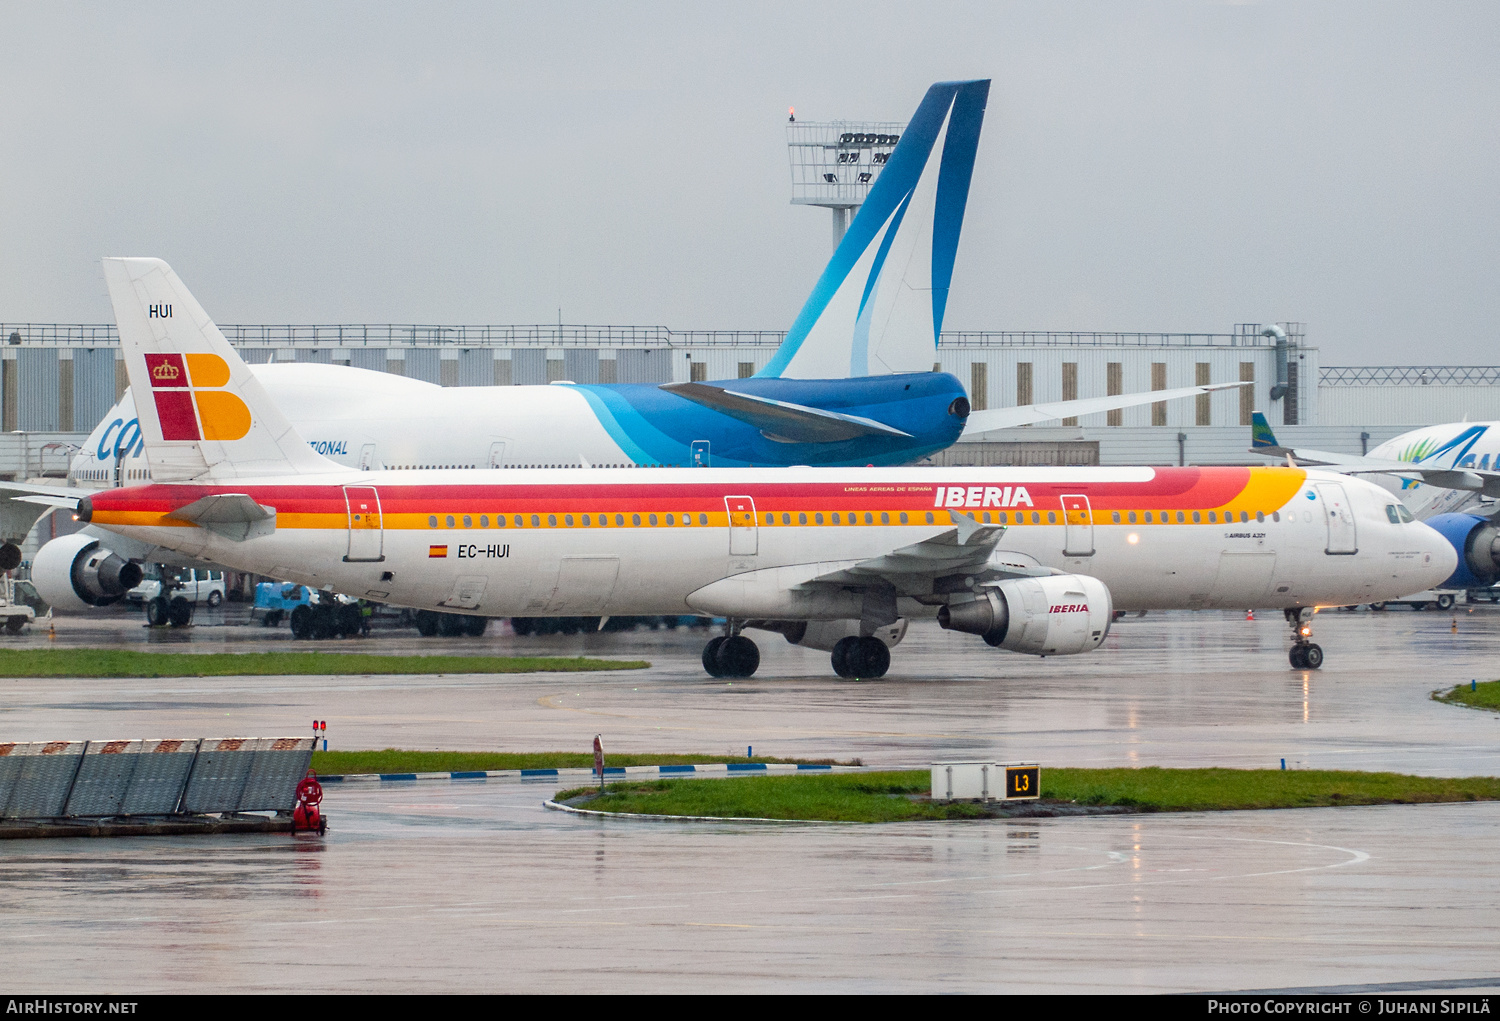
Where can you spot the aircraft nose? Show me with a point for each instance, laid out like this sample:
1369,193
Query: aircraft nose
1439,558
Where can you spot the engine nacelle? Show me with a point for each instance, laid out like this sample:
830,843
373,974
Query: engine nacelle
1477,541
1058,615
74,572
825,634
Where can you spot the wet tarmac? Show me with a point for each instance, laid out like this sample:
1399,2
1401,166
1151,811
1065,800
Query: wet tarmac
473,886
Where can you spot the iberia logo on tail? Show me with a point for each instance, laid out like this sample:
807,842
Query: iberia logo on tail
190,404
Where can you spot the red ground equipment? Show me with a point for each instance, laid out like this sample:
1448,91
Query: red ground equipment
306,815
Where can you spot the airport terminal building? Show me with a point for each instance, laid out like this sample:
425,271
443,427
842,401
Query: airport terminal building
58,381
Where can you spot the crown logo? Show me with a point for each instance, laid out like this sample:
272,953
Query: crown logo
165,371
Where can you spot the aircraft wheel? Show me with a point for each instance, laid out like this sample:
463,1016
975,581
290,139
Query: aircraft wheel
325,622
179,612
427,623
845,656
738,657
1298,657
451,625
474,626
1445,602
156,612
349,620
711,656
302,621
1312,656
874,658
1377,606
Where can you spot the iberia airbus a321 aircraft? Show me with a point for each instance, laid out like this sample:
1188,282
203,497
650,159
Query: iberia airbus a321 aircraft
1032,560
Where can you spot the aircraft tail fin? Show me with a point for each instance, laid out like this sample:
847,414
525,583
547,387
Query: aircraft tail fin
1261,435
202,413
878,307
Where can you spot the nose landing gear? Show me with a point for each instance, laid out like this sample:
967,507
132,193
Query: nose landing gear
1304,655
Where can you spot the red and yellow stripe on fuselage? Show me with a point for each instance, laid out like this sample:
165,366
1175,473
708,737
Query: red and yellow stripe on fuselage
626,498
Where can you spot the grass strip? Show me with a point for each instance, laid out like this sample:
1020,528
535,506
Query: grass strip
123,663
899,796
397,760
1486,695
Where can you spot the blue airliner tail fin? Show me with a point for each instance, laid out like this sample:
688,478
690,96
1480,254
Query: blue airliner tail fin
878,307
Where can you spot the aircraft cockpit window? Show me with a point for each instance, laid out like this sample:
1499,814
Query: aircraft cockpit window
1405,514
1397,513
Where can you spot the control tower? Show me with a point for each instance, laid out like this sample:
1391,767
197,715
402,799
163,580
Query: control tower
834,163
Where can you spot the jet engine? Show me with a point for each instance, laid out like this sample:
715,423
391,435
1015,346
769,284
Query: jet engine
74,572
1477,540
825,634
1058,615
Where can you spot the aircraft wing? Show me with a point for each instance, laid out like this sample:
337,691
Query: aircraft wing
1029,414
1473,480
783,420
966,547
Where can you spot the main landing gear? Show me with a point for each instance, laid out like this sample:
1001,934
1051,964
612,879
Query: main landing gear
1304,655
861,657
731,655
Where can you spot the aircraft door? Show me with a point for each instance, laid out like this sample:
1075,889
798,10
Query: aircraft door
1078,528
366,527
744,533
1342,540
367,457
497,454
700,454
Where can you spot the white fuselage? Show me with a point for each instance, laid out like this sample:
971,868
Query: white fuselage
665,534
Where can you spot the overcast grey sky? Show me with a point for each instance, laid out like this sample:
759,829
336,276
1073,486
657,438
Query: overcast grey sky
1144,166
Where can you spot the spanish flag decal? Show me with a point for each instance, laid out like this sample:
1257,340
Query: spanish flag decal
436,551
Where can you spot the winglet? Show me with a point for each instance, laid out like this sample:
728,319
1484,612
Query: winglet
1260,432
967,526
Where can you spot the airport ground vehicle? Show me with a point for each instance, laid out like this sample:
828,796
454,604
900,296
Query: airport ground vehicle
195,584
328,616
275,601
1031,560
15,612
1430,599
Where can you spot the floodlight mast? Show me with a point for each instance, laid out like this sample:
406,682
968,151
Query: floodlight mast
834,164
